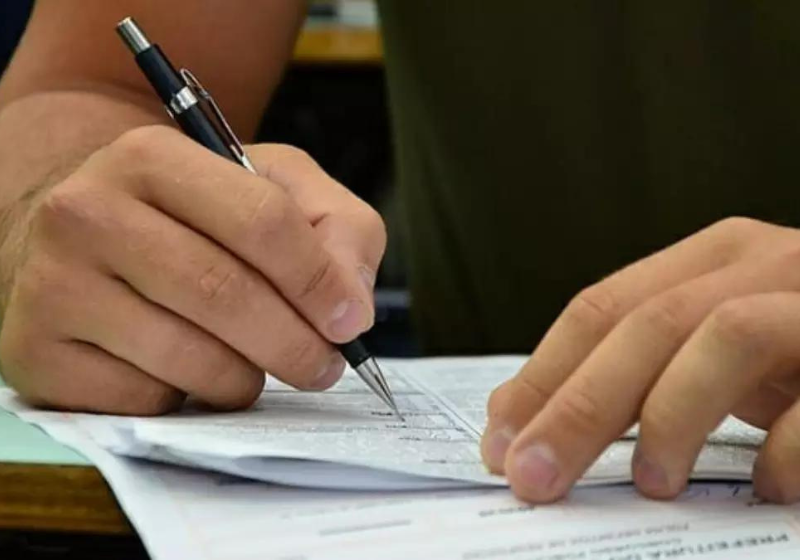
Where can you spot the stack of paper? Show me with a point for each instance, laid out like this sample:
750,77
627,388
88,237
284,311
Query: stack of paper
346,438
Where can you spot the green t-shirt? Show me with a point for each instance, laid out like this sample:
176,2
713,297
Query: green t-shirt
543,144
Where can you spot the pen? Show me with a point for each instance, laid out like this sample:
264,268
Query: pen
182,95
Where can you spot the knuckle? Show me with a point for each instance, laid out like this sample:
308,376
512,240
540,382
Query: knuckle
141,144
66,205
727,240
663,316
595,307
281,155
321,278
577,410
737,323
156,399
287,151
374,227
730,237
736,226
223,285
270,217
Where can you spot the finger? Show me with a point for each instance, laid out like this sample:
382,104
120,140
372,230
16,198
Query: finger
741,345
765,405
75,376
50,370
775,474
110,315
188,274
594,313
248,215
350,229
603,397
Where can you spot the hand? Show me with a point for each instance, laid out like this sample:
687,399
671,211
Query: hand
159,270
677,341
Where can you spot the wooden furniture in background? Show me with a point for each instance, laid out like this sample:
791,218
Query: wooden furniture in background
339,45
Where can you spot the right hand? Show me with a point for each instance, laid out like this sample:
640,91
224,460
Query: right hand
159,270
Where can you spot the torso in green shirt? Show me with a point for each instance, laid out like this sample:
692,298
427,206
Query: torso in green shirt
543,144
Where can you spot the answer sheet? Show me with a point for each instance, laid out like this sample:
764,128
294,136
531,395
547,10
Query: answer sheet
182,514
347,438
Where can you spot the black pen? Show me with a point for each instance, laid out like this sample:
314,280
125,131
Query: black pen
182,95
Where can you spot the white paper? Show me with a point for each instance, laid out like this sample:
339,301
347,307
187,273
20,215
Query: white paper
182,514
346,438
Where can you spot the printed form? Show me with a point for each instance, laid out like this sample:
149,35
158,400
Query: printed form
214,517
182,513
346,438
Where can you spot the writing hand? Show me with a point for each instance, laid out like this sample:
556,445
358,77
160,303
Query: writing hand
159,270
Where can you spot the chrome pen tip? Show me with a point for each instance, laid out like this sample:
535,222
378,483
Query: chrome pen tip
389,400
398,414
133,35
371,373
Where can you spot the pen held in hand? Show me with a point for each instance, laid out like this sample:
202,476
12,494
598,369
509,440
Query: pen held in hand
183,96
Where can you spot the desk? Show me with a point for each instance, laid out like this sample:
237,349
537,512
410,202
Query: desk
45,486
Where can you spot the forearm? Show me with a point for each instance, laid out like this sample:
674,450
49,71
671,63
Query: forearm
43,138
72,86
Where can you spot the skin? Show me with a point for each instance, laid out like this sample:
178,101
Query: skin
676,342
138,268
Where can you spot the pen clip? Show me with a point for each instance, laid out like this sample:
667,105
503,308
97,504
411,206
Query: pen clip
233,141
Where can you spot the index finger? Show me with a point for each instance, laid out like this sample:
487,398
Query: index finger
250,216
348,227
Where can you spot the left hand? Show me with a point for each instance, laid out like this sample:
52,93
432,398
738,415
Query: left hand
676,342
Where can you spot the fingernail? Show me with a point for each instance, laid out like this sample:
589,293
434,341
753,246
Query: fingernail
330,374
650,476
367,277
497,444
537,468
349,319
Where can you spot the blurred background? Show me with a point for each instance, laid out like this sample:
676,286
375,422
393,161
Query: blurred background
332,103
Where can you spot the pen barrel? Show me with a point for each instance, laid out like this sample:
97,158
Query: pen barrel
160,73
194,122
167,82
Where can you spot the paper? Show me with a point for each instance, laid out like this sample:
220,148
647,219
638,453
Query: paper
183,514
346,438
195,515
